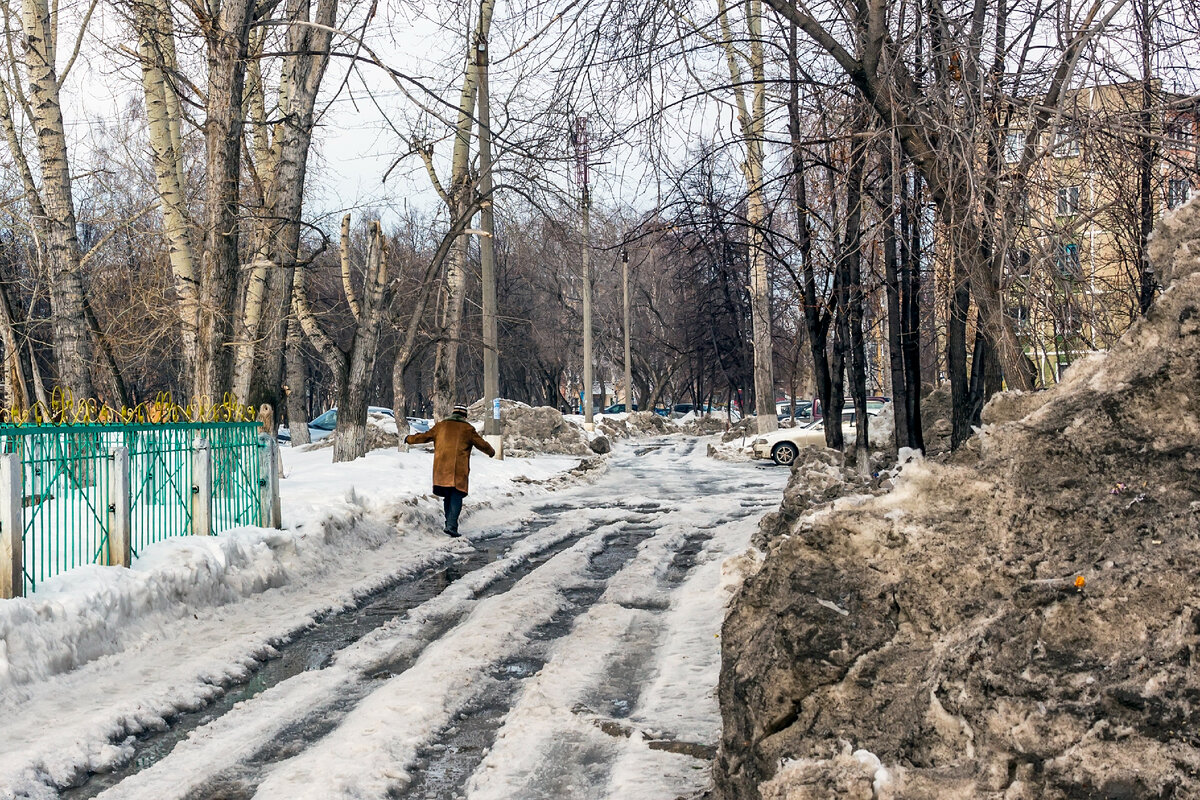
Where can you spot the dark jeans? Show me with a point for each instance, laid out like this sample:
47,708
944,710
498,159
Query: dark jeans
452,503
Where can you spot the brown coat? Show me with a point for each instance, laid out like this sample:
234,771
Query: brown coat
452,440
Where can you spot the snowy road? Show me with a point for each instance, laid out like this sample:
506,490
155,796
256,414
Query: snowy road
569,650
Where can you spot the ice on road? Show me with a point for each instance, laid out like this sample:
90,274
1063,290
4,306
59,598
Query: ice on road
571,651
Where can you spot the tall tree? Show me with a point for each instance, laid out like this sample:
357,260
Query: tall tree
752,116
51,203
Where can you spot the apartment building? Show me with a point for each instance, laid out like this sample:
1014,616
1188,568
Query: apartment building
1074,272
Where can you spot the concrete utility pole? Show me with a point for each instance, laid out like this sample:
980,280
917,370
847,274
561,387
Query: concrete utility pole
487,260
581,176
629,399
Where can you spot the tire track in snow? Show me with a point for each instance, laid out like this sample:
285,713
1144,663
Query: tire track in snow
231,745
227,757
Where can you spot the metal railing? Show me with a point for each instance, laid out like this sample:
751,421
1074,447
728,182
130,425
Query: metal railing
101,493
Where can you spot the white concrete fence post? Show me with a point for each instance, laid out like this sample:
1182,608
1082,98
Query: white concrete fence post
12,525
120,545
201,488
270,512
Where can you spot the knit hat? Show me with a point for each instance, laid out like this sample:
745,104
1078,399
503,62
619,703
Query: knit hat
460,408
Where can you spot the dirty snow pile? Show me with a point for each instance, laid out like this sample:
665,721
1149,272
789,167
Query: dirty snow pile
381,433
1021,621
638,423
541,430
705,424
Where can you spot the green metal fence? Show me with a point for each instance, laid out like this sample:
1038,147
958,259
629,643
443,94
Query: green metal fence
238,480
67,479
160,483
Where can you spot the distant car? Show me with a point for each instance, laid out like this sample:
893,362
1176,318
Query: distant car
326,424
419,424
618,408
874,403
782,446
803,410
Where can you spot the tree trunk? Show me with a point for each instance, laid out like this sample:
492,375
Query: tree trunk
854,289
816,318
1147,155
910,308
156,50
303,72
227,45
69,329
956,353
895,323
752,122
297,407
16,388
350,440
445,371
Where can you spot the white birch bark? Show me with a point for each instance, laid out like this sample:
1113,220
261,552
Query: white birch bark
445,371
156,50
752,122
69,329
266,314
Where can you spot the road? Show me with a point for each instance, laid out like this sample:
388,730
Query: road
569,648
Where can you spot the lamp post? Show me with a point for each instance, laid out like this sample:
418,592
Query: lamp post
629,400
487,262
580,140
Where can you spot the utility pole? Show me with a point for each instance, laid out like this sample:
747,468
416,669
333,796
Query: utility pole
487,259
629,400
580,141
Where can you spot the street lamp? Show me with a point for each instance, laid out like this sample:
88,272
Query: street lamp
629,403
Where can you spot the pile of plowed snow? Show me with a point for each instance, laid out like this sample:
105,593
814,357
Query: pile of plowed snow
1021,621
381,433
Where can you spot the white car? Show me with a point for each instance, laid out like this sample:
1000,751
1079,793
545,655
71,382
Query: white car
782,446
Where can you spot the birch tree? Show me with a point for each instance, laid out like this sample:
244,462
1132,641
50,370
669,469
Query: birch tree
155,28
456,194
352,366
282,170
51,204
752,115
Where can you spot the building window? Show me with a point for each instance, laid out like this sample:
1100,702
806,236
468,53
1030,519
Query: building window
1067,262
1014,147
1018,263
1020,316
1068,201
1021,204
1177,192
1179,133
1066,142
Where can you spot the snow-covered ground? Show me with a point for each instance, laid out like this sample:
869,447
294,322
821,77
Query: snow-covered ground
103,655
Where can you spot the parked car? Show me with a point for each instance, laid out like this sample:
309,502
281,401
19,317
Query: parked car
874,403
325,424
803,410
782,446
618,408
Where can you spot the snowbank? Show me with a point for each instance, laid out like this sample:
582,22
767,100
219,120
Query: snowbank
330,512
1019,622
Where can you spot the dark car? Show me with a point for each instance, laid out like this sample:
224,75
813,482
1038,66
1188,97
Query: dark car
803,410
618,408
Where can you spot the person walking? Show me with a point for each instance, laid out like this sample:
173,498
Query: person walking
452,440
